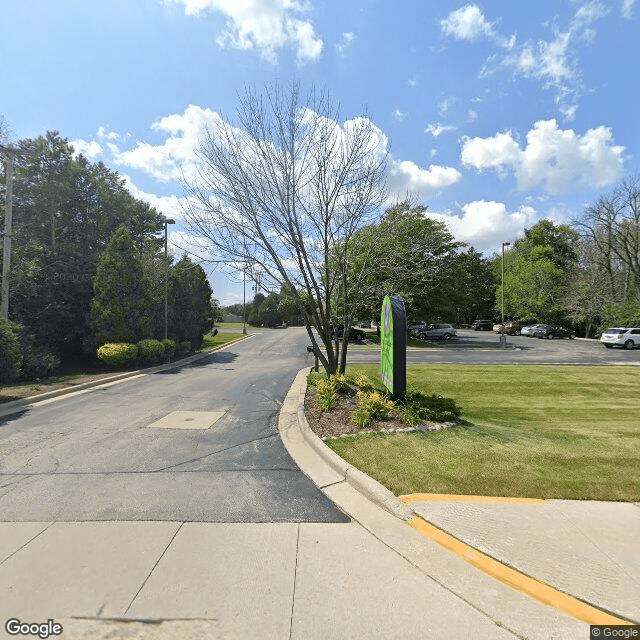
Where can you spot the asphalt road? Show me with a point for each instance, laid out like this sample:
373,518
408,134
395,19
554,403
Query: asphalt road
94,455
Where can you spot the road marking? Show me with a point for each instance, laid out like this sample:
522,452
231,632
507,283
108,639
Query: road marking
515,579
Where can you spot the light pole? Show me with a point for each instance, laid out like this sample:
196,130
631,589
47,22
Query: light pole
244,299
503,338
6,251
167,222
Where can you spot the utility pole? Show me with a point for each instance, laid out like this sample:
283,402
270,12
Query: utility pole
8,214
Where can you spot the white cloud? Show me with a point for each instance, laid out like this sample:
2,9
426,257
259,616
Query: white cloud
170,206
107,135
89,150
399,115
554,62
264,25
406,177
472,115
467,23
176,156
343,45
412,83
485,224
436,130
445,105
627,9
554,160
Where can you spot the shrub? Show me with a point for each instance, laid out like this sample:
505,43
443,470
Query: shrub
326,394
339,381
10,351
371,405
118,353
170,347
150,350
37,362
184,346
363,382
417,406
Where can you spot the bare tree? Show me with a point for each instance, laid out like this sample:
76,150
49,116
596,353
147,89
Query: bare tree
284,191
612,224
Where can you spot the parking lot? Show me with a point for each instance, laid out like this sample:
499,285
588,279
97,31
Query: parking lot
483,347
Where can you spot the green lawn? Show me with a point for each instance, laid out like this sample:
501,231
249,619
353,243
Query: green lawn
219,339
530,431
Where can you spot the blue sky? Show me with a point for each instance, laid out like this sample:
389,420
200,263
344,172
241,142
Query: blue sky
495,114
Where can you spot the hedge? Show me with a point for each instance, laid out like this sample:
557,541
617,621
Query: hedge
118,353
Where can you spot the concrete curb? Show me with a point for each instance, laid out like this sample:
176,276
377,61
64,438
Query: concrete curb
13,406
292,415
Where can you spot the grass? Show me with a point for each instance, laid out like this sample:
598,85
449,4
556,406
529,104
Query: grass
529,431
219,339
221,326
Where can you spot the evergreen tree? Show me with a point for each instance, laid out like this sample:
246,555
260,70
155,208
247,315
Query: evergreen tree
120,310
189,302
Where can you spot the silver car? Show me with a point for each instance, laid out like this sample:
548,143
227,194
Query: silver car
529,330
434,332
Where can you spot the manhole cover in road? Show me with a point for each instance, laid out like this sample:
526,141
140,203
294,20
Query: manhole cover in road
188,420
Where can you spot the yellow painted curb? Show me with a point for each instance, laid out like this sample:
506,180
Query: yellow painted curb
444,497
514,578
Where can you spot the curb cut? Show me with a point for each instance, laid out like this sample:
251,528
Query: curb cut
13,406
292,414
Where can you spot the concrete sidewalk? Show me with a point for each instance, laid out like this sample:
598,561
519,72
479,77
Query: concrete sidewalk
373,577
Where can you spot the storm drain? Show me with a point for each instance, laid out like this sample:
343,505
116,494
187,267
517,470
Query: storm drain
188,420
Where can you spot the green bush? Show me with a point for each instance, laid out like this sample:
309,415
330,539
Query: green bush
170,347
37,362
326,394
184,346
417,406
10,351
117,353
371,405
150,350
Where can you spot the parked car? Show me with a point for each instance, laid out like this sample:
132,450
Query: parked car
354,334
365,324
511,328
433,332
482,325
551,331
530,330
628,337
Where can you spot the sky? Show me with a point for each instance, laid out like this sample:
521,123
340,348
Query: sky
494,114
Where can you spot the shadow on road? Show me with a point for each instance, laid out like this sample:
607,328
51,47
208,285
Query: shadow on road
223,357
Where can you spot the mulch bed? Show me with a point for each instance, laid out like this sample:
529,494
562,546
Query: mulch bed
337,422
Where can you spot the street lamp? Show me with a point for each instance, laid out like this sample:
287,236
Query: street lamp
6,258
503,338
167,222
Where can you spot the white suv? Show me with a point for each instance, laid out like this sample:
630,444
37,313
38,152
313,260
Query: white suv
628,338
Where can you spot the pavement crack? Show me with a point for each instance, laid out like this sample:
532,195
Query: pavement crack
214,453
173,537
295,578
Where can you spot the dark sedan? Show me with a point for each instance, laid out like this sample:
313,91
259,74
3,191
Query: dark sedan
551,331
354,334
